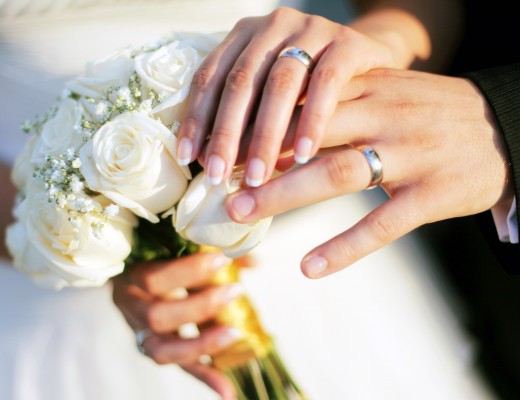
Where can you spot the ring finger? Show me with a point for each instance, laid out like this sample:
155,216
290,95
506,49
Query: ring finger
285,84
341,172
242,87
167,349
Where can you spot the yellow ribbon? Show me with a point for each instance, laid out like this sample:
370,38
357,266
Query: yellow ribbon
240,314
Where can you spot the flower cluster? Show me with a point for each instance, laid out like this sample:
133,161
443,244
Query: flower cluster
103,161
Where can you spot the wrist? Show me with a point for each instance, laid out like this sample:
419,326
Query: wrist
403,34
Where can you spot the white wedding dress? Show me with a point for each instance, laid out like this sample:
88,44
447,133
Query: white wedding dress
382,329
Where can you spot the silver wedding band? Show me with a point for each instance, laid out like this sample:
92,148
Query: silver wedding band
376,167
140,337
300,55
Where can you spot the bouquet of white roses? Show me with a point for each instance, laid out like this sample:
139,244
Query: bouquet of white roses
99,187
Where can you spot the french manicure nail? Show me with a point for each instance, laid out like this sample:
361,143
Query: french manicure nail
229,337
216,168
184,151
302,151
315,265
219,261
243,205
233,291
255,172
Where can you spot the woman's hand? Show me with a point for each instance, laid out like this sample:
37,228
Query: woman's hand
146,297
244,75
442,155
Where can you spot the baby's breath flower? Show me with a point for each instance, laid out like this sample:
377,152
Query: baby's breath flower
112,210
76,186
146,106
76,163
102,109
57,176
162,96
175,126
71,154
124,94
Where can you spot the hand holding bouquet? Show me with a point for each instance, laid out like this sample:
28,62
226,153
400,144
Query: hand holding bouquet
99,187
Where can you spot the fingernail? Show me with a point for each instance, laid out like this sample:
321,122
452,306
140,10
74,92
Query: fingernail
302,151
233,291
184,151
242,205
315,265
216,168
229,337
219,261
255,172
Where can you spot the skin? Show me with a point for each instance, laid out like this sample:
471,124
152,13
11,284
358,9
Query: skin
245,74
243,77
243,80
442,154
144,296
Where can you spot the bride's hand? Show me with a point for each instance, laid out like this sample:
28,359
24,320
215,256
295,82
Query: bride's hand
442,156
244,74
144,296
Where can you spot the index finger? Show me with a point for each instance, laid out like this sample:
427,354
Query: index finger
161,277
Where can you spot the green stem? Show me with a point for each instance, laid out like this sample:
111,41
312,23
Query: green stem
265,378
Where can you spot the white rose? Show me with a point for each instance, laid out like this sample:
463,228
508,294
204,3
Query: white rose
56,253
131,160
61,133
170,69
202,218
99,76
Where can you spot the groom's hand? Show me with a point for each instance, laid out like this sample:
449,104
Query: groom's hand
441,151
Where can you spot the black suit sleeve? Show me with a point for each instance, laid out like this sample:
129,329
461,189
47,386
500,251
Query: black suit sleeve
501,88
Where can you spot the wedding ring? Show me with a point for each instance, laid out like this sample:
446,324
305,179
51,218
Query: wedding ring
376,167
140,337
300,55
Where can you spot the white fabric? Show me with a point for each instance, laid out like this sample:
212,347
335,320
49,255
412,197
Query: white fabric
506,223
382,329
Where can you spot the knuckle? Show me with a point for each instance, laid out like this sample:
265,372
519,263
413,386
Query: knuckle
202,78
240,77
346,249
339,171
281,78
345,33
155,318
382,227
209,344
315,22
314,119
266,138
281,15
205,310
405,108
149,281
222,134
157,354
192,120
243,24
326,76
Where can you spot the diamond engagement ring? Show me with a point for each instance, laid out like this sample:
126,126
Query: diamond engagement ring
300,55
140,337
376,167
